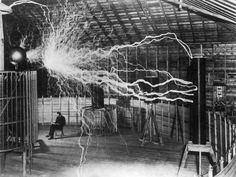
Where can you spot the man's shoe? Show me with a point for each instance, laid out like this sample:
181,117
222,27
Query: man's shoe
47,136
50,138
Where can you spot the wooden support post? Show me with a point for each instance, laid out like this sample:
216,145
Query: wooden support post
199,99
24,163
221,136
200,164
2,136
183,116
162,114
215,133
209,125
126,64
210,171
51,104
77,109
140,117
43,115
60,103
221,163
68,110
226,136
230,134
176,122
234,149
162,120
169,127
229,155
233,133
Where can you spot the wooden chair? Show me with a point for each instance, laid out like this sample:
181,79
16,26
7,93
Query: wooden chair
61,130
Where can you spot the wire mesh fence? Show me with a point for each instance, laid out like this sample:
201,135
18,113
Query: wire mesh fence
18,105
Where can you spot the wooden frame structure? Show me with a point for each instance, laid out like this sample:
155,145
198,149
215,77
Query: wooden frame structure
120,21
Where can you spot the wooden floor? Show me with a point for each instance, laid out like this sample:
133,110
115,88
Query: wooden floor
117,155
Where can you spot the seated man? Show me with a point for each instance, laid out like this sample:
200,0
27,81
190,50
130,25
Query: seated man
58,125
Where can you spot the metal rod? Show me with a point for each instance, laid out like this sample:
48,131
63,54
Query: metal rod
215,133
199,100
183,116
221,136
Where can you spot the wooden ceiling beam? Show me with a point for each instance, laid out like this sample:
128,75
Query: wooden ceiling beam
109,21
98,22
120,21
147,17
177,21
130,20
195,9
191,25
163,11
204,29
143,23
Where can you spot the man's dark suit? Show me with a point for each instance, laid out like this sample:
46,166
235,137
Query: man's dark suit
58,125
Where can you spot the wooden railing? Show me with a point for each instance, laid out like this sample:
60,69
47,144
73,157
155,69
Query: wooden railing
222,136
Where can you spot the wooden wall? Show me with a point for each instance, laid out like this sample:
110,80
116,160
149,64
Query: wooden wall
169,118
221,65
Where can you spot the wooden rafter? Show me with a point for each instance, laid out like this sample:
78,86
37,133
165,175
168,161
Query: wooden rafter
204,29
163,11
191,25
139,16
151,23
120,21
109,21
130,20
98,22
177,21
195,9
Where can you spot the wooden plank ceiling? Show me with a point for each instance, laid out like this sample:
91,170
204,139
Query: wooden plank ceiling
127,21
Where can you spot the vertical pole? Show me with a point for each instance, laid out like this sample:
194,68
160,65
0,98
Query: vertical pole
199,101
176,122
162,113
199,113
126,64
169,127
43,109
1,43
210,171
221,137
60,103
215,134
140,117
2,155
77,109
200,164
209,126
183,116
24,163
226,138
230,134
167,64
221,163
68,109
51,102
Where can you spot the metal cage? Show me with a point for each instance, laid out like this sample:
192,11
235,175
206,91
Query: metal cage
18,110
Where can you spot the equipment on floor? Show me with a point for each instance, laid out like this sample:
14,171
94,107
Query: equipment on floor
219,96
97,96
150,131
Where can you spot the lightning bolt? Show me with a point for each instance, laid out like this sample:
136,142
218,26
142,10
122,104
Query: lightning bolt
67,58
